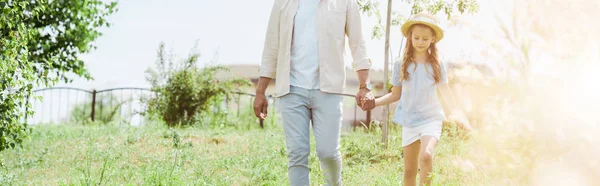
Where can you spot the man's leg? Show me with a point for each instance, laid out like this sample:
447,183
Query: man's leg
295,116
327,123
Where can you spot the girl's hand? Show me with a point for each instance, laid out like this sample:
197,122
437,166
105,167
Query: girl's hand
367,104
365,99
460,117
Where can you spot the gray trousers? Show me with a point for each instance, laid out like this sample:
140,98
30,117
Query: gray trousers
298,109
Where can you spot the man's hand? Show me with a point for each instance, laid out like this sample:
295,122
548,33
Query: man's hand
261,106
365,99
260,101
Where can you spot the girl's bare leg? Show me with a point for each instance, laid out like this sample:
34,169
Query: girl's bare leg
426,158
411,163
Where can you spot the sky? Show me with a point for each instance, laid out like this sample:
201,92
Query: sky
225,31
235,29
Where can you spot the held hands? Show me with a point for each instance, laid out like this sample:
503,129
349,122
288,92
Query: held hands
365,99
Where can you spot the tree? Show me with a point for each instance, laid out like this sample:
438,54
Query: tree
40,41
450,7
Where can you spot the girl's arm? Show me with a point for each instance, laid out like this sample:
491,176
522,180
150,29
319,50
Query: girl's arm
447,95
390,97
396,88
455,111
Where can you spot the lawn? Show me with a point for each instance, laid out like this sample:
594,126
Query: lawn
70,154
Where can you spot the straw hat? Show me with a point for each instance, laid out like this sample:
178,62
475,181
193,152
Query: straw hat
425,19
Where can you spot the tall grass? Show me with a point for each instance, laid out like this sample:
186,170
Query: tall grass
157,155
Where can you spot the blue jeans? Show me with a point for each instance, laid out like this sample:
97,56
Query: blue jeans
298,108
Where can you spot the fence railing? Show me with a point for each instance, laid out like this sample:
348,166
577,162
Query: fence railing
354,121
60,104
64,104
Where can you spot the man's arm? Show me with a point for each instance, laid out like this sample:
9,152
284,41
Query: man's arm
263,83
363,76
261,104
360,61
268,64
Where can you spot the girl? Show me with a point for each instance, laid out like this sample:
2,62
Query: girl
415,81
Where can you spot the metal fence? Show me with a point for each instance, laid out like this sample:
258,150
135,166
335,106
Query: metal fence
67,104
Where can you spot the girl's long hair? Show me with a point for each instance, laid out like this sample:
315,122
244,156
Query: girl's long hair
409,51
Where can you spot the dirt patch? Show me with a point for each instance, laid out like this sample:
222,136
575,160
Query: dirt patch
217,140
385,158
196,140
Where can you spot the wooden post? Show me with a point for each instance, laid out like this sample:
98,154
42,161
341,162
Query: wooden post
384,134
368,119
273,108
238,105
354,125
93,115
27,110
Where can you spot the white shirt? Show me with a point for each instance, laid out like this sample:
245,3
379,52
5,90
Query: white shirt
337,20
419,103
304,59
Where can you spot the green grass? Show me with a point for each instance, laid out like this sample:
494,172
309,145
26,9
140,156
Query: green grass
156,155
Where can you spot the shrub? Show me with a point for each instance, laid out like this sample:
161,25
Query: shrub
107,110
184,92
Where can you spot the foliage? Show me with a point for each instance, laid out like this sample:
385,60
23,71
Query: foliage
184,91
372,7
40,39
107,110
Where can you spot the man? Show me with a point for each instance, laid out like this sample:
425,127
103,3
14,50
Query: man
303,51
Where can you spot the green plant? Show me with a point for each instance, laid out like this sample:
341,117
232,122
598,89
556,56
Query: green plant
184,92
371,7
40,43
107,110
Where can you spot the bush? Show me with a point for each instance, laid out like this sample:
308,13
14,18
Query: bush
107,110
183,92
